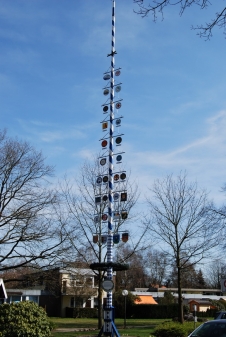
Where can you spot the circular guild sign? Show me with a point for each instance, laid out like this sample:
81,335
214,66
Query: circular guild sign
116,177
118,122
106,92
118,105
116,196
123,176
118,88
119,157
107,285
106,77
99,180
103,161
117,72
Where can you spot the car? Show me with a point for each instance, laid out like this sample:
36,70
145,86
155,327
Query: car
215,328
220,315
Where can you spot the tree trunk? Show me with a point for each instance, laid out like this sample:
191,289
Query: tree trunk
180,298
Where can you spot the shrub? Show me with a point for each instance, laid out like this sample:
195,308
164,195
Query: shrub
25,319
173,329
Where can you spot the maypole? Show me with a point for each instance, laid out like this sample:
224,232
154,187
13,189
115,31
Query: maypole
110,173
116,198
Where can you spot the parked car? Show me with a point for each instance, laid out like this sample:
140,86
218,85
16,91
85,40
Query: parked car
215,328
220,315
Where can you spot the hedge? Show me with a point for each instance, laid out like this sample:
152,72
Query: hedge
81,312
150,311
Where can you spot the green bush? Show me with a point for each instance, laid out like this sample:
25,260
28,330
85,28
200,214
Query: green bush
170,330
24,319
173,329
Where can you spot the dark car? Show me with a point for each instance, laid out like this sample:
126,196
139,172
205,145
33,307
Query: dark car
215,328
220,315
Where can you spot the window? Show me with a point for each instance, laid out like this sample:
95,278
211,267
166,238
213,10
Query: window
16,298
72,304
89,281
33,298
76,302
64,288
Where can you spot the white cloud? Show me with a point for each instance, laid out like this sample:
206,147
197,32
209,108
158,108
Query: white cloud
204,159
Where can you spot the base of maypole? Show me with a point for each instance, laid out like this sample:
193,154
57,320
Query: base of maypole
109,328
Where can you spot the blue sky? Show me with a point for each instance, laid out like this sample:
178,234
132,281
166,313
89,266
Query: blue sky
53,55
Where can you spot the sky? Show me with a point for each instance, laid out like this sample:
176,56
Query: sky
53,56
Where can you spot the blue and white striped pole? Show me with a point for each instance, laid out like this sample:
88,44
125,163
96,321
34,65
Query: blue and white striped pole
110,177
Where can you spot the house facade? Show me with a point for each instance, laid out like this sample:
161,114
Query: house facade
57,289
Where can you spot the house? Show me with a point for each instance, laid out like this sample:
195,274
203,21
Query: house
201,305
57,289
199,297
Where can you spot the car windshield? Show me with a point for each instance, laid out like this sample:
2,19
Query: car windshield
216,329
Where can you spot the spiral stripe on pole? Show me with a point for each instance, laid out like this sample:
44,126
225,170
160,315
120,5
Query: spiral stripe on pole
110,178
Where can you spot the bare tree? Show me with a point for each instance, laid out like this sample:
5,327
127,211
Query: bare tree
215,271
156,264
28,233
136,276
156,7
86,201
179,224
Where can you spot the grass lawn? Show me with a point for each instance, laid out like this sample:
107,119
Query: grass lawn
134,327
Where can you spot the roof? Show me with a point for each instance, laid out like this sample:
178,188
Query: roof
146,299
202,302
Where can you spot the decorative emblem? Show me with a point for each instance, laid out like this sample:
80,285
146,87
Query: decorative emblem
123,176
118,105
103,161
116,196
125,237
106,92
118,122
105,197
119,157
105,108
117,72
116,215
99,180
124,215
95,238
118,140
97,200
123,196
105,179
104,143
104,217
107,77
116,177
116,238
96,219
104,125
104,238
118,88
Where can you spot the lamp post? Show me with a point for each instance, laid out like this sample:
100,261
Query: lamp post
125,293
195,318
